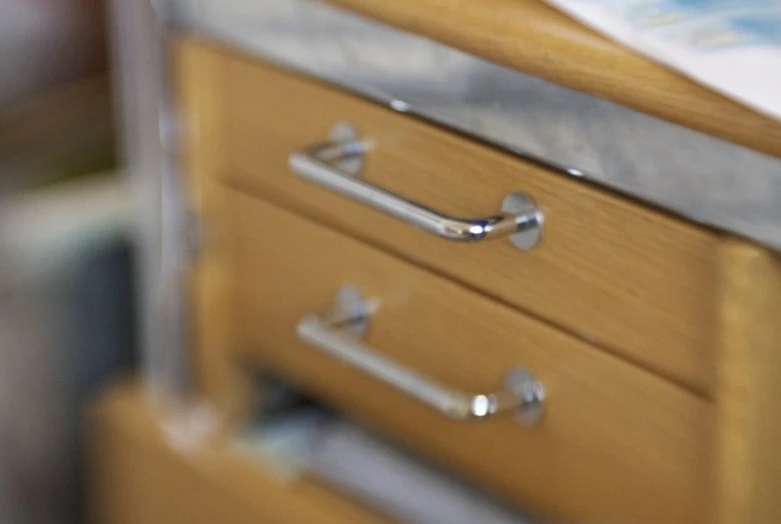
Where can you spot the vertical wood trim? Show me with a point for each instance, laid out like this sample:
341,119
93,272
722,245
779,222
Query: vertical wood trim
749,398
199,73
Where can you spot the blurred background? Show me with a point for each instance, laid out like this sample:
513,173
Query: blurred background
66,282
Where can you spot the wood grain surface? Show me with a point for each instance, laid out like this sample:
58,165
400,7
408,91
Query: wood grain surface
139,476
749,429
626,277
534,38
618,444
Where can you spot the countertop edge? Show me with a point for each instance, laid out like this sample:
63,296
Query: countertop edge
501,30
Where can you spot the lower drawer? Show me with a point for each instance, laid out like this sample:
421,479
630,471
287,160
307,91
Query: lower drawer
616,443
139,477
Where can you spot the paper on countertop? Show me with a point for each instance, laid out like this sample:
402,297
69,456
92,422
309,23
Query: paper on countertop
730,46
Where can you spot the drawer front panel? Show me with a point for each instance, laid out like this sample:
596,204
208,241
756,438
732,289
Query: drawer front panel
616,444
138,477
626,277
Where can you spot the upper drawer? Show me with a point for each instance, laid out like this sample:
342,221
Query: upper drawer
627,277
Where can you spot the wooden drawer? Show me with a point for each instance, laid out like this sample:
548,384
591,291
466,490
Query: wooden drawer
617,444
623,276
139,477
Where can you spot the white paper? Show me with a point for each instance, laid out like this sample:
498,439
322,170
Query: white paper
731,46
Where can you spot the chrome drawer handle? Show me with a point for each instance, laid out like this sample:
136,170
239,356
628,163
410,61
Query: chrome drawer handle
335,166
339,335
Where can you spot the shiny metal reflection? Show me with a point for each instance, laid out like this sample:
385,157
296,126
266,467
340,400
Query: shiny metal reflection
322,164
523,395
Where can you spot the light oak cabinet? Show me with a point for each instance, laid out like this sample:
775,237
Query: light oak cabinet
655,339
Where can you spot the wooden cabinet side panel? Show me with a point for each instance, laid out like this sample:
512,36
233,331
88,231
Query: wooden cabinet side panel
749,424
